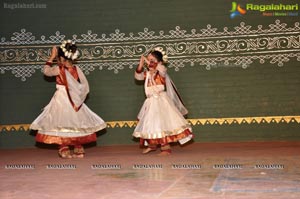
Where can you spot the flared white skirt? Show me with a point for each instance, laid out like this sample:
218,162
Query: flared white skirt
60,119
159,118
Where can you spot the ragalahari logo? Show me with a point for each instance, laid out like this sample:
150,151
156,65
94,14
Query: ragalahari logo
236,10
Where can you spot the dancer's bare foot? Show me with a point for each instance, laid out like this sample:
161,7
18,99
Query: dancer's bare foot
64,152
78,151
148,149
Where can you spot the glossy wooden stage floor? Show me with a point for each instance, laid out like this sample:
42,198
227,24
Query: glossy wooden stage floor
266,170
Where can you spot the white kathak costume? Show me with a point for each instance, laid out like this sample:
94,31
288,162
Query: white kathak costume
161,118
66,120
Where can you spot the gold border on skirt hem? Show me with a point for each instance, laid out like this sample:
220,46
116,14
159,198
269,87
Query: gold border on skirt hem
72,130
163,134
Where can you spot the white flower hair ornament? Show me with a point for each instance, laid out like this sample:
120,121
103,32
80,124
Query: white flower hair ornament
68,53
164,55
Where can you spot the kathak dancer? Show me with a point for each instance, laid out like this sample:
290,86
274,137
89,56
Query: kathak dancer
66,120
161,118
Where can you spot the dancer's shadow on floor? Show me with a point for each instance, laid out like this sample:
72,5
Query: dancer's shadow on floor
172,144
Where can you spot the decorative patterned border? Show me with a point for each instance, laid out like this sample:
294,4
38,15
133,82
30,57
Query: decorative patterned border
277,44
193,122
26,38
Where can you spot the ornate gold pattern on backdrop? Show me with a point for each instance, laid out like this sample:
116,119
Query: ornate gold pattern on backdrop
24,54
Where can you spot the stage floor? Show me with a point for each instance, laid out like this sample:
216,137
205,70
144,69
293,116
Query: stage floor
266,170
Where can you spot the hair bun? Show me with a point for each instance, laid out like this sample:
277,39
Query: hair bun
69,50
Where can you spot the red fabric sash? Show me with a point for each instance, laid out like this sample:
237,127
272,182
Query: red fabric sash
61,79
